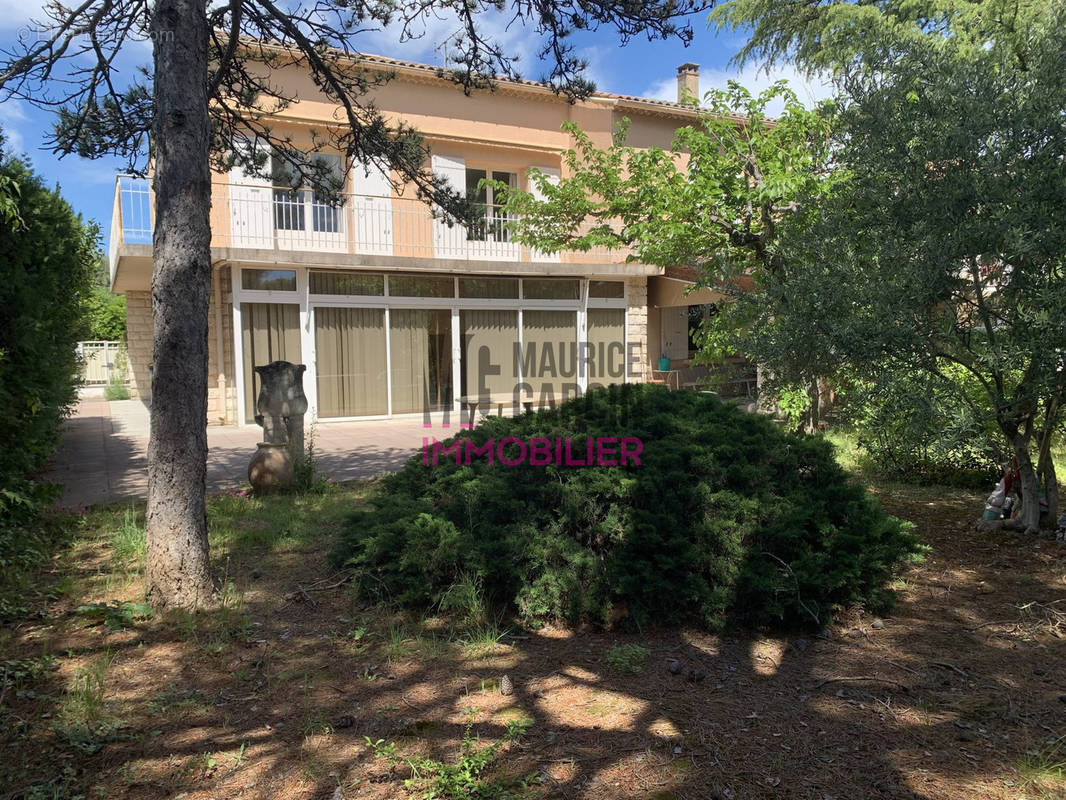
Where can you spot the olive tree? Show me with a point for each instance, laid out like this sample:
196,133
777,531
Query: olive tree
946,243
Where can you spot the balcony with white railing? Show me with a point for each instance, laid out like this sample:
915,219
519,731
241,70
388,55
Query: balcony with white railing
261,217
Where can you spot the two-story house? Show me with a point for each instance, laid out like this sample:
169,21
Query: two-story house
393,311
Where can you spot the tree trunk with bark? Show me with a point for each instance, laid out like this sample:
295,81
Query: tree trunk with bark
1030,511
1045,463
177,566
814,412
1045,471
1049,480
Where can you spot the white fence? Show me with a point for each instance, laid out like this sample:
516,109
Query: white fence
103,362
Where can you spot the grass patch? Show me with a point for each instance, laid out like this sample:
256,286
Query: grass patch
128,540
467,776
116,389
1045,769
84,719
627,659
116,615
482,641
242,524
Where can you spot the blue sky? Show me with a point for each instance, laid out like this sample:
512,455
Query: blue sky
640,68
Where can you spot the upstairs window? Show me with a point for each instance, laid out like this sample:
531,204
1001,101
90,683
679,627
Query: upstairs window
294,206
491,227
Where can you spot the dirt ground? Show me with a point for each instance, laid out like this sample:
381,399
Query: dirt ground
959,693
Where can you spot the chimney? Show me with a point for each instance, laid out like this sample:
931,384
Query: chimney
688,82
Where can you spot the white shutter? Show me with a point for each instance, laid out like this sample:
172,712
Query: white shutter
552,174
372,209
372,180
450,242
452,168
250,210
237,175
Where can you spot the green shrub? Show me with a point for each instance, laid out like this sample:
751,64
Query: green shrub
116,389
47,255
727,519
105,313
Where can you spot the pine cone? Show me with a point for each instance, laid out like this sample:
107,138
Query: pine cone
506,686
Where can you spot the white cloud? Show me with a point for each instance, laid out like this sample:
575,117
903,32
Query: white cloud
16,13
600,69
755,79
80,171
430,39
12,116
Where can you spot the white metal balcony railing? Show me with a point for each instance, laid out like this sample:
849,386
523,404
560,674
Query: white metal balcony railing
264,217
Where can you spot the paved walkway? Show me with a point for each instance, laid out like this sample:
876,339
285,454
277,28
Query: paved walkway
103,455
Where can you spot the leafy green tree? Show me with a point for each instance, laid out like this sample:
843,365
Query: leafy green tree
921,428
209,99
105,315
718,200
836,36
105,312
945,245
9,195
715,200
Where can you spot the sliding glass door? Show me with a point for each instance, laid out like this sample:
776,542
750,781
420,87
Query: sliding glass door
269,332
405,343
549,347
488,366
350,362
606,346
420,359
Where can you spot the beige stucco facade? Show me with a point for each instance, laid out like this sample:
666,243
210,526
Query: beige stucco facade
381,233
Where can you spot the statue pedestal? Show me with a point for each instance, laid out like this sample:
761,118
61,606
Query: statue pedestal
271,467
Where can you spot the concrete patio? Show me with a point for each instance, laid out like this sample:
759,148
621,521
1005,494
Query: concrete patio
103,455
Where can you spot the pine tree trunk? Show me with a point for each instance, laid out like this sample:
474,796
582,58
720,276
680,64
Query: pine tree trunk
177,567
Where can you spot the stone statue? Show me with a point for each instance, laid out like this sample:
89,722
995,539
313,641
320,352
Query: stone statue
281,405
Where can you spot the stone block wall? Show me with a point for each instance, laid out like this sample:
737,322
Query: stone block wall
221,378
139,342
637,320
221,386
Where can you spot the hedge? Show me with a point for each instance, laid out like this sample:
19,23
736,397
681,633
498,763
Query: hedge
727,520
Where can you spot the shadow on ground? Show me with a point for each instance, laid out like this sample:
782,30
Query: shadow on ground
955,695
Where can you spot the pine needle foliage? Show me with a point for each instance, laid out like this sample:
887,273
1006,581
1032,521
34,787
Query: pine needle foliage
727,520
